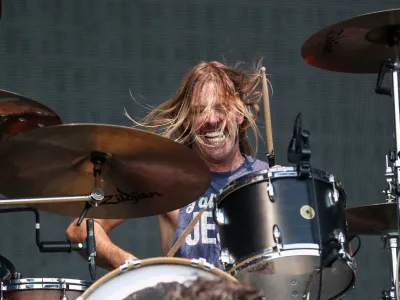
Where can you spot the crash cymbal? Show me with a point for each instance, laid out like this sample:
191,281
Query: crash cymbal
357,45
20,114
144,174
372,219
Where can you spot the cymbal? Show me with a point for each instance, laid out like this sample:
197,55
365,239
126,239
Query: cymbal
144,174
21,114
372,219
357,45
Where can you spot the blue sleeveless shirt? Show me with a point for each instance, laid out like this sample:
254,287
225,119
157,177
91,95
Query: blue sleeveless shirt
203,241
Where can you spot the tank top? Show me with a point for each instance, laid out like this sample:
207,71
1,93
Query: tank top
203,241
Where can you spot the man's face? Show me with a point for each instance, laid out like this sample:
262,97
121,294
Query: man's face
215,126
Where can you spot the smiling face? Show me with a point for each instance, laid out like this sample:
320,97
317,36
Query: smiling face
210,112
215,123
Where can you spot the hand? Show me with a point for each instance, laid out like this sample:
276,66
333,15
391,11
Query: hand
276,166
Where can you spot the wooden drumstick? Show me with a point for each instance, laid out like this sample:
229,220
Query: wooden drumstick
185,233
268,123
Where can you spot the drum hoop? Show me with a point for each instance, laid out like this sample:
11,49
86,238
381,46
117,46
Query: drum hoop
312,252
37,283
136,264
265,175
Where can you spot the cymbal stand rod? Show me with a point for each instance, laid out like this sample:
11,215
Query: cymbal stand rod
391,242
393,172
24,201
97,158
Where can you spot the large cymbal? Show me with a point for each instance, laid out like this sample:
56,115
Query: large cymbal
372,219
20,114
357,45
144,174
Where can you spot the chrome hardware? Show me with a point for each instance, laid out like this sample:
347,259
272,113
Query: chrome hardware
226,258
132,262
201,262
270,189
277,238
64,288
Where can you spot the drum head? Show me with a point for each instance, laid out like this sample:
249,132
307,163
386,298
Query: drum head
142,274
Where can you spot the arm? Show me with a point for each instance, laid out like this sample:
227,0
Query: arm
108,255
167,224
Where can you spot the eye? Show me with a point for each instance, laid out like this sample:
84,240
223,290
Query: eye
198,110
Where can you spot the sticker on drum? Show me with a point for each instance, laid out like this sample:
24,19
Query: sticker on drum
43,288
136,275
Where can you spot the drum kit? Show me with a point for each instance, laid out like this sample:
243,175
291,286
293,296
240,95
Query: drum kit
285,230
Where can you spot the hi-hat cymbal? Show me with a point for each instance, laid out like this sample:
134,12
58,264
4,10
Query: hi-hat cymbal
357,45
20,114
144,174
372,219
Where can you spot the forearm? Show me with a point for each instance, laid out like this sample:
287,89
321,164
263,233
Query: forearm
108,255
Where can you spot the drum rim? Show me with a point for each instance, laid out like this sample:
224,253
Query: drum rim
140,263
262,175
250,261
45,283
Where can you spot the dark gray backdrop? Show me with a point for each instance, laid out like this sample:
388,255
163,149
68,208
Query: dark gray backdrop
81,58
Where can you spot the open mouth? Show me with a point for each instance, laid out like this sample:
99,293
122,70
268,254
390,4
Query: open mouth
215,136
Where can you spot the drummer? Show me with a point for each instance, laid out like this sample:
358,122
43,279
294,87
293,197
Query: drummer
211,112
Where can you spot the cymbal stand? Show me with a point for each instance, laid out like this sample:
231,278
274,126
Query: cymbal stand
94,199
393,169
390,241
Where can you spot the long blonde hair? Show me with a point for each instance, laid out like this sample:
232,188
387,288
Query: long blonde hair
241,90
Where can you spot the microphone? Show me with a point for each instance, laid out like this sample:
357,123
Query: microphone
294,144
91,247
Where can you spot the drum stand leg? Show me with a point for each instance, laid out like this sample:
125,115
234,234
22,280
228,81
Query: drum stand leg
392,172
391,241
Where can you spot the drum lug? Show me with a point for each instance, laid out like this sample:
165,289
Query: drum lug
64,288
202,263
126,265
226,258
335,194
270,189
277,238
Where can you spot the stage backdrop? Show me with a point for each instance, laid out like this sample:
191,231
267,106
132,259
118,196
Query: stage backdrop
84,58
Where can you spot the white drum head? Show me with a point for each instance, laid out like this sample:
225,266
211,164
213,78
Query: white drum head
141,274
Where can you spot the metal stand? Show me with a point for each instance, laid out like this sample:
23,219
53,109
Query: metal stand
94,199
390,241
392,171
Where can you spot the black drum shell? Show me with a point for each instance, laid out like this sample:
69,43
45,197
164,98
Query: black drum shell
249,214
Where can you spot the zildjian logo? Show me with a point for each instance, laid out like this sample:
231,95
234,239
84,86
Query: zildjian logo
132,197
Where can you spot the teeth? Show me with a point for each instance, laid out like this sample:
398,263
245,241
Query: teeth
217,139
214,134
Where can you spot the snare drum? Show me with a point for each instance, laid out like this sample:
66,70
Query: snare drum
269,234
137,275
43,289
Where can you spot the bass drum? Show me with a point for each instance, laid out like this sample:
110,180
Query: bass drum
269,226
43,289
135,276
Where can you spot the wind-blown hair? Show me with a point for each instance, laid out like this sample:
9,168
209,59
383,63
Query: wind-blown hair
238,90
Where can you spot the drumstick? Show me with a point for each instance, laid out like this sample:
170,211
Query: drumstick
268,123
185,233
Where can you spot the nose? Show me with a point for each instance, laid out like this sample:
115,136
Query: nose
214,117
